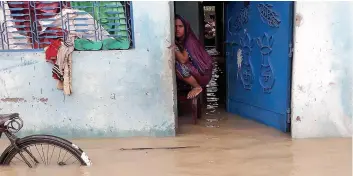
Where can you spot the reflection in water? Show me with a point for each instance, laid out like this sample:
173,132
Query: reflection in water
215,93
211,90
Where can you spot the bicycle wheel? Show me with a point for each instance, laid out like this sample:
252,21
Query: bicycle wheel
39,149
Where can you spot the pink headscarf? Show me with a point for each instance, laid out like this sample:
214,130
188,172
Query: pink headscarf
196,49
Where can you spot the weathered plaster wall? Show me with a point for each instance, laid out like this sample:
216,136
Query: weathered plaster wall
115,93
322,86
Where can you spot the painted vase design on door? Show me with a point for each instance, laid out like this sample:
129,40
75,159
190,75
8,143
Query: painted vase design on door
246,69
266,77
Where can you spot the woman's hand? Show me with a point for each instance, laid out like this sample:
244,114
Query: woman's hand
182,56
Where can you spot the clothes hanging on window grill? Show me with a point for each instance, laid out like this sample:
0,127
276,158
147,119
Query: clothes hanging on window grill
110,14
112,17
49,18
62,69
26,15
51,52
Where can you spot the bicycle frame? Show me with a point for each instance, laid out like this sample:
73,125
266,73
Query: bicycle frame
13,140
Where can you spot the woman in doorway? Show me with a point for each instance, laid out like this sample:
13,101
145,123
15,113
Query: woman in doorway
193,64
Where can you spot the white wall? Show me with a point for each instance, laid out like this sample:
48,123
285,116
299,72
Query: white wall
115,93
322,86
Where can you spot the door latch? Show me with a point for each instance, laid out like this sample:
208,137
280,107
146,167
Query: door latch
290,54
288,115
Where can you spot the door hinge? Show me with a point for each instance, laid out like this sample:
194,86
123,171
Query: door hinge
290,54
289,115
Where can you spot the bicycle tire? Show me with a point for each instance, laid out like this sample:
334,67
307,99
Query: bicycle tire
78,153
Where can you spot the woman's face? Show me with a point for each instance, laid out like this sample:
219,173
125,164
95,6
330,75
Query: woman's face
179,28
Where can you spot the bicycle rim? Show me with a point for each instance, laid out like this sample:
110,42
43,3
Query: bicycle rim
46,150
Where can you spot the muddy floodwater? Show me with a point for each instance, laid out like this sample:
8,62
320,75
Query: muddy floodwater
235,147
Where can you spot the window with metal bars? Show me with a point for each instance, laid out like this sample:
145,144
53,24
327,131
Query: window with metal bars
33,25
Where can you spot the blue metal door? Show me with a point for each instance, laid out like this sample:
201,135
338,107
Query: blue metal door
258,57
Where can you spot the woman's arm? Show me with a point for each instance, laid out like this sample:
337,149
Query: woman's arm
181,56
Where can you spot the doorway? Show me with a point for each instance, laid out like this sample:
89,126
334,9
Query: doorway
251,43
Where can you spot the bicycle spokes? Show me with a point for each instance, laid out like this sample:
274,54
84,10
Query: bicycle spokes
45,154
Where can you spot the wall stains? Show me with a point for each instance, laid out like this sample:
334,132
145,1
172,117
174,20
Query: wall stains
301,88
298,119
298,20
43,100
112,96
13,100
